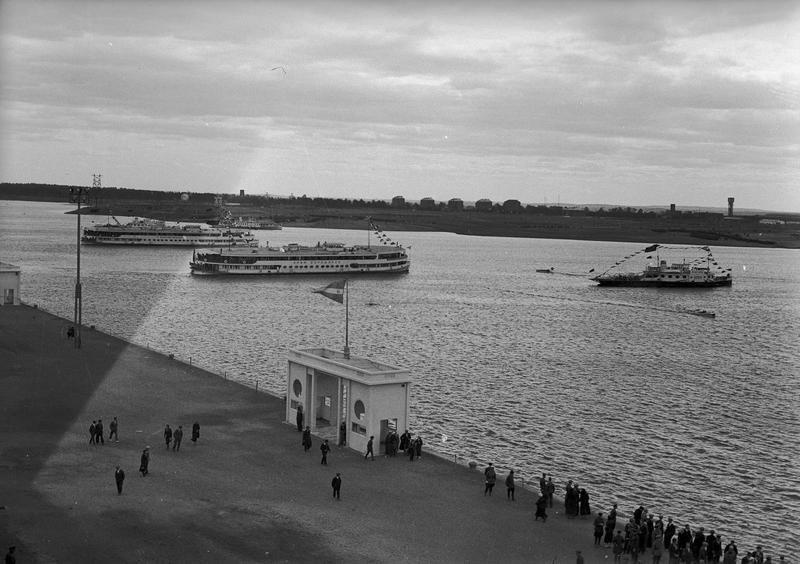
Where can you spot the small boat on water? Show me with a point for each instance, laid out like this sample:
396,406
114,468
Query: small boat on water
699,270
545,270
294,258
702,313
152,232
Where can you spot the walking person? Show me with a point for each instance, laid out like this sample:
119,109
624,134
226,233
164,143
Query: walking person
611,522
93,433
145,462
491,478
177,438
195,432
325,449
167,435
119,477
541,508
307,439
369,448
112,430
510,485
336,484
98,431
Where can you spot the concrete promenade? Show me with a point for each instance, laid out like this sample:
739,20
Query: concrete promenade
247,492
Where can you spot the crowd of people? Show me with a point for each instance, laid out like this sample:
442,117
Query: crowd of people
645,532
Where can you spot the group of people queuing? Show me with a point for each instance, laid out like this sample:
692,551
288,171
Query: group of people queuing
647,532
97,432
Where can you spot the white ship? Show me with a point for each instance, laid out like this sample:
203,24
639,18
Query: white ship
157,233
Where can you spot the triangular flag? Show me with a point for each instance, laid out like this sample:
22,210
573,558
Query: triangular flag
334,291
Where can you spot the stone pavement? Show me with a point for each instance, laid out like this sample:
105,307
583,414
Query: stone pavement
247,492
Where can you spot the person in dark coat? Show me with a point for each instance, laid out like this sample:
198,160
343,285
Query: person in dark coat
370,452
583,496
145,461
307,439
10,557
669,532
611,522
119,477
491,478
418,446
599,525
98,431
541,508
325,449
167,435
177,438
93,433
336,484
113,427
405,440
300,417
510,487
195,432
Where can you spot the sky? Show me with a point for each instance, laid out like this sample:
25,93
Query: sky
594,102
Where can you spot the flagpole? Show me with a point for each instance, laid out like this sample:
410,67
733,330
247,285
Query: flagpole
346,319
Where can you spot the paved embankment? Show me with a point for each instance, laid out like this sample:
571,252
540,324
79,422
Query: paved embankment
245,493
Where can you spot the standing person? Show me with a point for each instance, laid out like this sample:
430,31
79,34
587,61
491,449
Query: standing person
10,557
325,449
112,430
669,532
307,439
658,548
543,484
145,461
300,417
177,438
583,497
611,522
195,432
167,435
336,484
551,490
510,485
411,451
619,545
418,446
119,477
405,440
491,478
579,557
599,525
93,433
541,509
369,448
98,431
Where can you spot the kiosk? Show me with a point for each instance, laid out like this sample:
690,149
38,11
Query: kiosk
346,399
9,284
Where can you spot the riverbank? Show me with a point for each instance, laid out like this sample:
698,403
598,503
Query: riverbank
247,492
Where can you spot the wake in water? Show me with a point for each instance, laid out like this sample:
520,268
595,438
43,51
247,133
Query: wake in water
683,311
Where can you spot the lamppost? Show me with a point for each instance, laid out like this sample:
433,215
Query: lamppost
78,195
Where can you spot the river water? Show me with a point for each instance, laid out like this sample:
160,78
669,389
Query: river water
615,388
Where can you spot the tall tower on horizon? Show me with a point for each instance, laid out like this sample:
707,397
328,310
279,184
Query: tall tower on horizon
730,207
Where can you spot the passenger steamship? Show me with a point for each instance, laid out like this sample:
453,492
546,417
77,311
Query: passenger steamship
294,258
153,232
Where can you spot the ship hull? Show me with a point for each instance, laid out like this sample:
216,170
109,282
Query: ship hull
664,283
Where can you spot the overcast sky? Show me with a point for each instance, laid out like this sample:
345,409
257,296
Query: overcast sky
629,103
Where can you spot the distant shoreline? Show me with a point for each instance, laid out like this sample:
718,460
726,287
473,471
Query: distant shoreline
683,229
